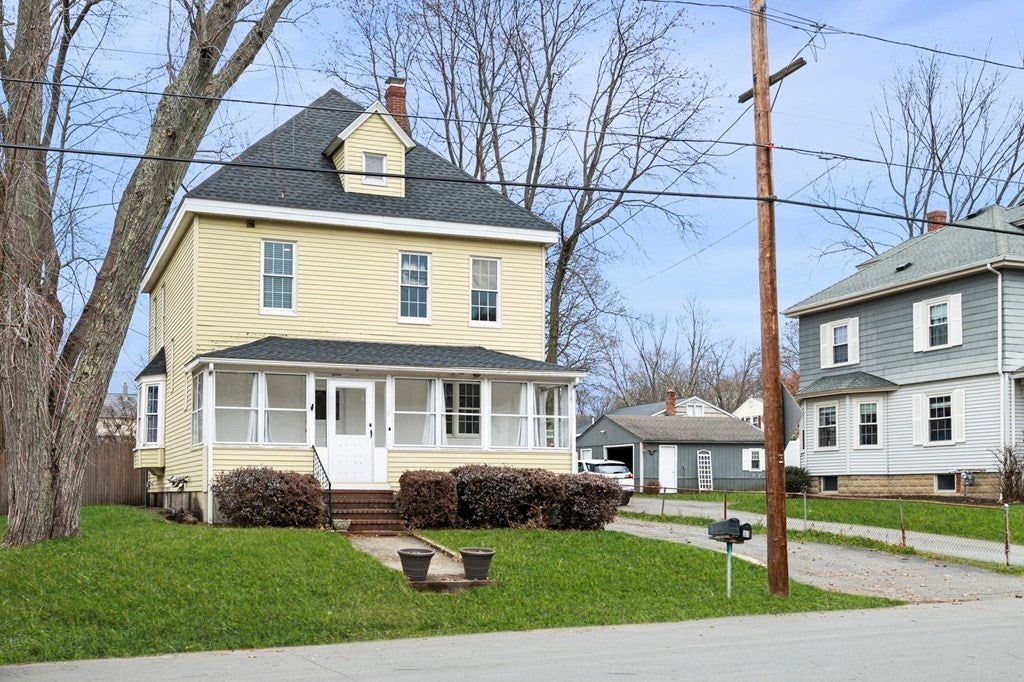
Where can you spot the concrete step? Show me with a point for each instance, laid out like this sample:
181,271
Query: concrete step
374,514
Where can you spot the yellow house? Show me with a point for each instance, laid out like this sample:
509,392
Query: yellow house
370,316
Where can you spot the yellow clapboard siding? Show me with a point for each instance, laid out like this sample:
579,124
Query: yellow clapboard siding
346,287
288,459
400,461
376,137
144,458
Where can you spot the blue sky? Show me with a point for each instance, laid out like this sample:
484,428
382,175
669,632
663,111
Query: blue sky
825,106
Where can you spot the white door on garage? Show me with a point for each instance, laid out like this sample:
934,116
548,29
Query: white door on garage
667,467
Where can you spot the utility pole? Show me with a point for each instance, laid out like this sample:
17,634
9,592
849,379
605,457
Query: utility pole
775,476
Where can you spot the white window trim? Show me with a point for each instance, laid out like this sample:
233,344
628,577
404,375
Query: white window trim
480,323
265,409
458,440
288,312
374,180
527,414
430,281
954,322
748,456
879,413
201,376
958,417
259,421
944,491
437,412
826,349
817,425
821,484
141,430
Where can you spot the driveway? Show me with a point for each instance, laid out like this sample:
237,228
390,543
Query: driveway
978,640
847,569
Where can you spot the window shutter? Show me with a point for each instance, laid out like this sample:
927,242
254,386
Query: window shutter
746,459
920,328
918,419
853,337
955,318
959,414
826,347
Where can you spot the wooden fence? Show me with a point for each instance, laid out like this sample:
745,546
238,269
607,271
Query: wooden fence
109,477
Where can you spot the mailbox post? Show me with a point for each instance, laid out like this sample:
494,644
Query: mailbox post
729,531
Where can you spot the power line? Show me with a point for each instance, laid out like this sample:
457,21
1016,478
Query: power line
467,180
788,18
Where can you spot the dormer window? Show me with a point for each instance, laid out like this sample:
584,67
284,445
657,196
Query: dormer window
374,163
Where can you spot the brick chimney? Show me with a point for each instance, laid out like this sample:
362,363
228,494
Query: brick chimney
394,101
670,402
935,220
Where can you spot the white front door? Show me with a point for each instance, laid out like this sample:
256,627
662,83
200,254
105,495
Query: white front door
667,467
350,414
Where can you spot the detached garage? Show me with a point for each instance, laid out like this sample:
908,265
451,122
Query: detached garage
680,452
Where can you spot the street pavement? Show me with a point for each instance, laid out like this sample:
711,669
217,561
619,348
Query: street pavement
976,640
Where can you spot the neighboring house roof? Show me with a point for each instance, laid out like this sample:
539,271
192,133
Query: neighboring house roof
156,366
652,409
300,143
363,353
944,253
583,422
113,401
678,429
850,382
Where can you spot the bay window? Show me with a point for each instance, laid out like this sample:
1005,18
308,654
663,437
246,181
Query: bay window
197,409
151,409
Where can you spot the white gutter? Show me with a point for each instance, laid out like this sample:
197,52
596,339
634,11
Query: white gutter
208,391
999,355
388,369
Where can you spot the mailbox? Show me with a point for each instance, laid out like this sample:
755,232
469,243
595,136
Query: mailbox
729,530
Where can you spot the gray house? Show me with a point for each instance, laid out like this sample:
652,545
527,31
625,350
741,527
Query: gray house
912,367
713,451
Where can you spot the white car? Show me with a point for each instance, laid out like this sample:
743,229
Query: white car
612,469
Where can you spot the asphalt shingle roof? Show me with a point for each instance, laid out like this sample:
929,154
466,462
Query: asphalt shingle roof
300,142
662,429
946,249
330,352
844,383
645,410
156,366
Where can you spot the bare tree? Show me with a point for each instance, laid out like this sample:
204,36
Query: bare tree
537,92
54,369
789,354
952,139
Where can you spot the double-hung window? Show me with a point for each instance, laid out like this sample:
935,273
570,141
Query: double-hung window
938,323
414,287
694,410
827,427
151,422
867,424
484,288
278,278
375,163
462,410
940,419
840,343
753,459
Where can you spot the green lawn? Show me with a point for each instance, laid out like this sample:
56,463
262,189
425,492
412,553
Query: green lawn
133,584
983,523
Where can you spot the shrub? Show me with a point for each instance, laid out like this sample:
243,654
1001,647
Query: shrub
491,497
797,480
547,492
590,501
260,496
1010,465
652,487
426,499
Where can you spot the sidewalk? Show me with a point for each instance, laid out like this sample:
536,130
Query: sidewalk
952,546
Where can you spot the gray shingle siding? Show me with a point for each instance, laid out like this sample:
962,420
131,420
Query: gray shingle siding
887,336
300,142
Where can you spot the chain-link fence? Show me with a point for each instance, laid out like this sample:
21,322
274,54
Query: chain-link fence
992,533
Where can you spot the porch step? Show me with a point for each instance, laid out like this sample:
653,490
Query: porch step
370,514
380,527
368,511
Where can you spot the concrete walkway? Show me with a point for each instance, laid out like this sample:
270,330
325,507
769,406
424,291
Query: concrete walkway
980,640
965,548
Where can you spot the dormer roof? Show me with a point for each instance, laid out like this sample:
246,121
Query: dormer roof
375,109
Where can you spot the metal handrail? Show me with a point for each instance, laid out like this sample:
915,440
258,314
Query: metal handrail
320,472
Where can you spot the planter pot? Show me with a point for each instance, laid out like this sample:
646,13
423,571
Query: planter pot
415,562
477,562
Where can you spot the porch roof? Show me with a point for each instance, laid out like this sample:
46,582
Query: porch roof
288,350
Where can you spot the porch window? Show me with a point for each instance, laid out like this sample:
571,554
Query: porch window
150,431
285,418
462,410
197,409
236,403
508,414
551,420
483,305
415,412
